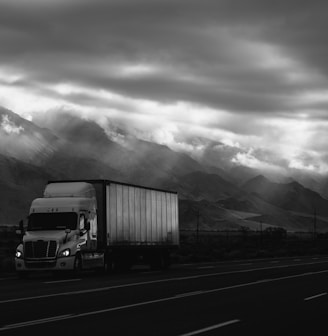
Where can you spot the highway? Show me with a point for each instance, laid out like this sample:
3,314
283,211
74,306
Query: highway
259,297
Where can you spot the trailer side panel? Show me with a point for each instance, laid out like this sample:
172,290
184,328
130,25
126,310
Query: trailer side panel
139,216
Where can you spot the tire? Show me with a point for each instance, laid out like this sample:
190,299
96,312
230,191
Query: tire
77,264
102,269
156,261
122,264
160,260
166,259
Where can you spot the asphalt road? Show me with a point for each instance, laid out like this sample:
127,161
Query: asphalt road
264,297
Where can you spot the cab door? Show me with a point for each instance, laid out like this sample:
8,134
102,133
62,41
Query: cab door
88,230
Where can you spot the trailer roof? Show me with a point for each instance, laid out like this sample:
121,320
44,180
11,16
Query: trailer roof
107,182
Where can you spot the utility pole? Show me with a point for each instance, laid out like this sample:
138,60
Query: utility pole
197,225
261,234
314,222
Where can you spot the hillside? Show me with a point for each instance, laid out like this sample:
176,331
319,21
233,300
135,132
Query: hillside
23,140
202,185
79,149
20,183
289,196
70,147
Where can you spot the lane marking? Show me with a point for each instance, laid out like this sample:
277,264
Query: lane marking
189,294
259,260
79,315
315,296
142,283
35,322
177,297
216,326
58,281
205,267
264,280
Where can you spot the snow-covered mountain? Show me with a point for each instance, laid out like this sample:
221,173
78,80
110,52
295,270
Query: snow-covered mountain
69,147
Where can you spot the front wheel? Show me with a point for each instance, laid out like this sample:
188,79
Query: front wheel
77,264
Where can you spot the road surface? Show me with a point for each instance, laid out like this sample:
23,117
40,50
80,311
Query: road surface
287,296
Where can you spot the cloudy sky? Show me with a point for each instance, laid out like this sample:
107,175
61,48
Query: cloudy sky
251,75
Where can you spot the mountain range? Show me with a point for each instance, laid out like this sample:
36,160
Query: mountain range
65,146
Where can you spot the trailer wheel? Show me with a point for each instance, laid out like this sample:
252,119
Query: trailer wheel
166,259
123,264
160,260
155,261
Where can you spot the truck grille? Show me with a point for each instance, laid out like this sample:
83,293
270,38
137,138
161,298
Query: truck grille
40,249
40,264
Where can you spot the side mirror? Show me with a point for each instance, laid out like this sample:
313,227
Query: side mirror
67,231
20,231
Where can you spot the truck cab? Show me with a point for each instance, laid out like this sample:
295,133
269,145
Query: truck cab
99,224
61,231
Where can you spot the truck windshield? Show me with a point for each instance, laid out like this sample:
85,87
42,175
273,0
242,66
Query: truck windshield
52,221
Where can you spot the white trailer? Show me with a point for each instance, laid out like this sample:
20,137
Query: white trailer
99,224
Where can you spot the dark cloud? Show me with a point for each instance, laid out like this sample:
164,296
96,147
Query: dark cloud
75,43
253,68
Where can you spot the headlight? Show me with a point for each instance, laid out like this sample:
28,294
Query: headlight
19,254
65,253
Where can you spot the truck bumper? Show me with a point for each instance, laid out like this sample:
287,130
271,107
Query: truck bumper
59,264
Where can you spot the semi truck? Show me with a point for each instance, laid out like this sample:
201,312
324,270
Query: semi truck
98,224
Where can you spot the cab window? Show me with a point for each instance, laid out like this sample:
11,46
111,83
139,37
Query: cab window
82,222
